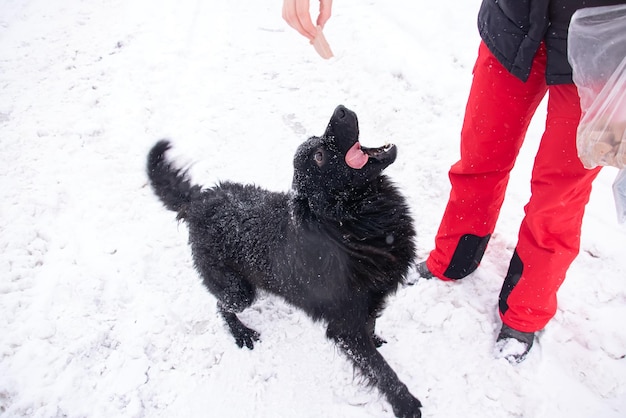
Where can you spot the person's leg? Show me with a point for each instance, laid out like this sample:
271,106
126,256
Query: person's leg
497,115
549,236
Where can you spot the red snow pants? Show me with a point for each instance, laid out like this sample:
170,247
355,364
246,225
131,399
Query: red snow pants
497,116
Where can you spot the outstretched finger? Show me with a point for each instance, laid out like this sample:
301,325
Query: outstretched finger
296,14
325,12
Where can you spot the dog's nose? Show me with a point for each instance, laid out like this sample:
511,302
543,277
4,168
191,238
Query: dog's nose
340,112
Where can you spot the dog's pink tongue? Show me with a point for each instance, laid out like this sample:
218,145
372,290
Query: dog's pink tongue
356,158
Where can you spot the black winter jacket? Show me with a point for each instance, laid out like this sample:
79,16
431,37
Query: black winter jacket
514,29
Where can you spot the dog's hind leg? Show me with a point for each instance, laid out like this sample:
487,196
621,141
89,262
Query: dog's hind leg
358,345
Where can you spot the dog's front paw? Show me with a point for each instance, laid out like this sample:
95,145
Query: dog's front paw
246,336
409,407
243,335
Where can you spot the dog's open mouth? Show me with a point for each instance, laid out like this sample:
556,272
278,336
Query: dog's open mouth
357,156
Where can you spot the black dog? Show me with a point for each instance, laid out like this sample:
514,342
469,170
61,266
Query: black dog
335,246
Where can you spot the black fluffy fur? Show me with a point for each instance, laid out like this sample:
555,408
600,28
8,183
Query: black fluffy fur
335,246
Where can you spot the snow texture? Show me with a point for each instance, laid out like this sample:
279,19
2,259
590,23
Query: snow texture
101,311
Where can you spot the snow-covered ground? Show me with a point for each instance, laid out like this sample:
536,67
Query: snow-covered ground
101,311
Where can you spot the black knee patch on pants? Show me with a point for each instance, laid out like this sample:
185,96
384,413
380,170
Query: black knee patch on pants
516,267
467,256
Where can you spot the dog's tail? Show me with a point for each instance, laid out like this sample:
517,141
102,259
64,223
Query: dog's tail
171,184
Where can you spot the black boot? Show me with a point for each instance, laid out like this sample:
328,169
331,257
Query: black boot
513,345
423,271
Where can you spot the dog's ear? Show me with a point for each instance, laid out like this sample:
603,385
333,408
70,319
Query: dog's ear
310,157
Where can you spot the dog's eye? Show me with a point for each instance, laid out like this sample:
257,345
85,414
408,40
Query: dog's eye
319,158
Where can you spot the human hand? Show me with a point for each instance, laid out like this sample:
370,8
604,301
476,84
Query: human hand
296,13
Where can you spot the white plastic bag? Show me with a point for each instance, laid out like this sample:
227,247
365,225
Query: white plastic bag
619,192
597,53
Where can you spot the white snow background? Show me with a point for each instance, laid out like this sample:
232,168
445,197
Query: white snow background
101,311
